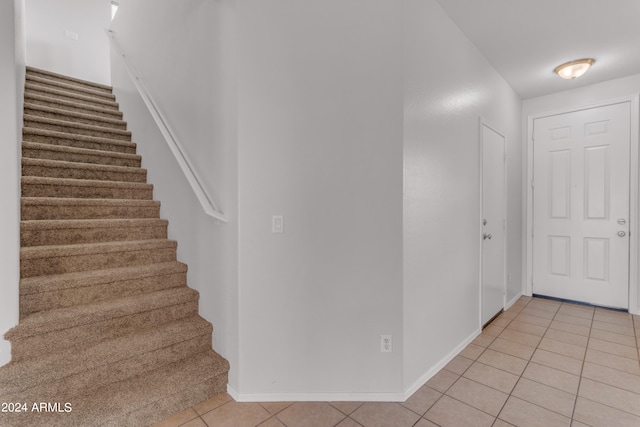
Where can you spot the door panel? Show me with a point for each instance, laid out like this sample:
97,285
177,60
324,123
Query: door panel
581,191
493,208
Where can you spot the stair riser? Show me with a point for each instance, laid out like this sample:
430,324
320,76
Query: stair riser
100,261
34,212
100,133
78,143
89,192
74,118
95,102
91,294
62,80
110,114
82,336
73,236
80,157
173,404
146,415
74,89
58,172
91,377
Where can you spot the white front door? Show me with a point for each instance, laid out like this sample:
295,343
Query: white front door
581,205
493,223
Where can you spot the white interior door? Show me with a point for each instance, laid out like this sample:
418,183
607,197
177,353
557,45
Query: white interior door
493,223
581,205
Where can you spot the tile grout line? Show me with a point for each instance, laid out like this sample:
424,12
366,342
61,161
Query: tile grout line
584,360
635,335
527,365
520,376
476,361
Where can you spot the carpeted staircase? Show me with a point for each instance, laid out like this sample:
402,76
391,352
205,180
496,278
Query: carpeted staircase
107,322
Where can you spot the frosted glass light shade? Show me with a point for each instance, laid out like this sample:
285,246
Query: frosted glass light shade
574,69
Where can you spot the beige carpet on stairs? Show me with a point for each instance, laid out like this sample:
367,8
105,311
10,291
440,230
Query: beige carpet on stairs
109,332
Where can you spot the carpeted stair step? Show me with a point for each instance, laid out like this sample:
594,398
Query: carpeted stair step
36,150
106,362
45,260
67,208
51,76
74,117
75,328
71,87
43,136
107,321
76,128
76,231
74,170
33,186
139,401
80,100
50,292
59,104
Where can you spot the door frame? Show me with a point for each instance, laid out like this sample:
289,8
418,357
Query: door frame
482,122
634,187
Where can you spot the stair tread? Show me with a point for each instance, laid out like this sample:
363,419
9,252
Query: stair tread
31,70
31,88
153,388
69,201
31,106
69,87
64,224
56,122
65,135
53,367
69,317
34,97
54,282
36,252
116,403
70,182
76,150
79,165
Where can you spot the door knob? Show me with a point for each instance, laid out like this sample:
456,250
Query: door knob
621,233
621,221
486,236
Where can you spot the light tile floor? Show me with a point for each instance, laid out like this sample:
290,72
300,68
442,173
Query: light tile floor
541,363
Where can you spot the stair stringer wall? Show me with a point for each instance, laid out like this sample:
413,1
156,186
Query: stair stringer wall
209,248
12,62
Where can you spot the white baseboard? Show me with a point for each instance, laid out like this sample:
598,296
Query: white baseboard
438,366
315,397
513,301
353,397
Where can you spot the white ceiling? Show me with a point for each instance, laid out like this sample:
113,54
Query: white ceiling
525,40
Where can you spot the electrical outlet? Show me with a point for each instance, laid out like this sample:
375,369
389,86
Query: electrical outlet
277,224
386,344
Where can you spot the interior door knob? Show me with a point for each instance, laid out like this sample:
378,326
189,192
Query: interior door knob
621,233
486,236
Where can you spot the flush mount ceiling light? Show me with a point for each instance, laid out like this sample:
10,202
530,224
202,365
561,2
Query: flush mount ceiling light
574,69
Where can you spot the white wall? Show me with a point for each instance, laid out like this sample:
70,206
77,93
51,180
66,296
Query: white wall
320,142
192,79
571,99
48,47
322,139
448,86
11,88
